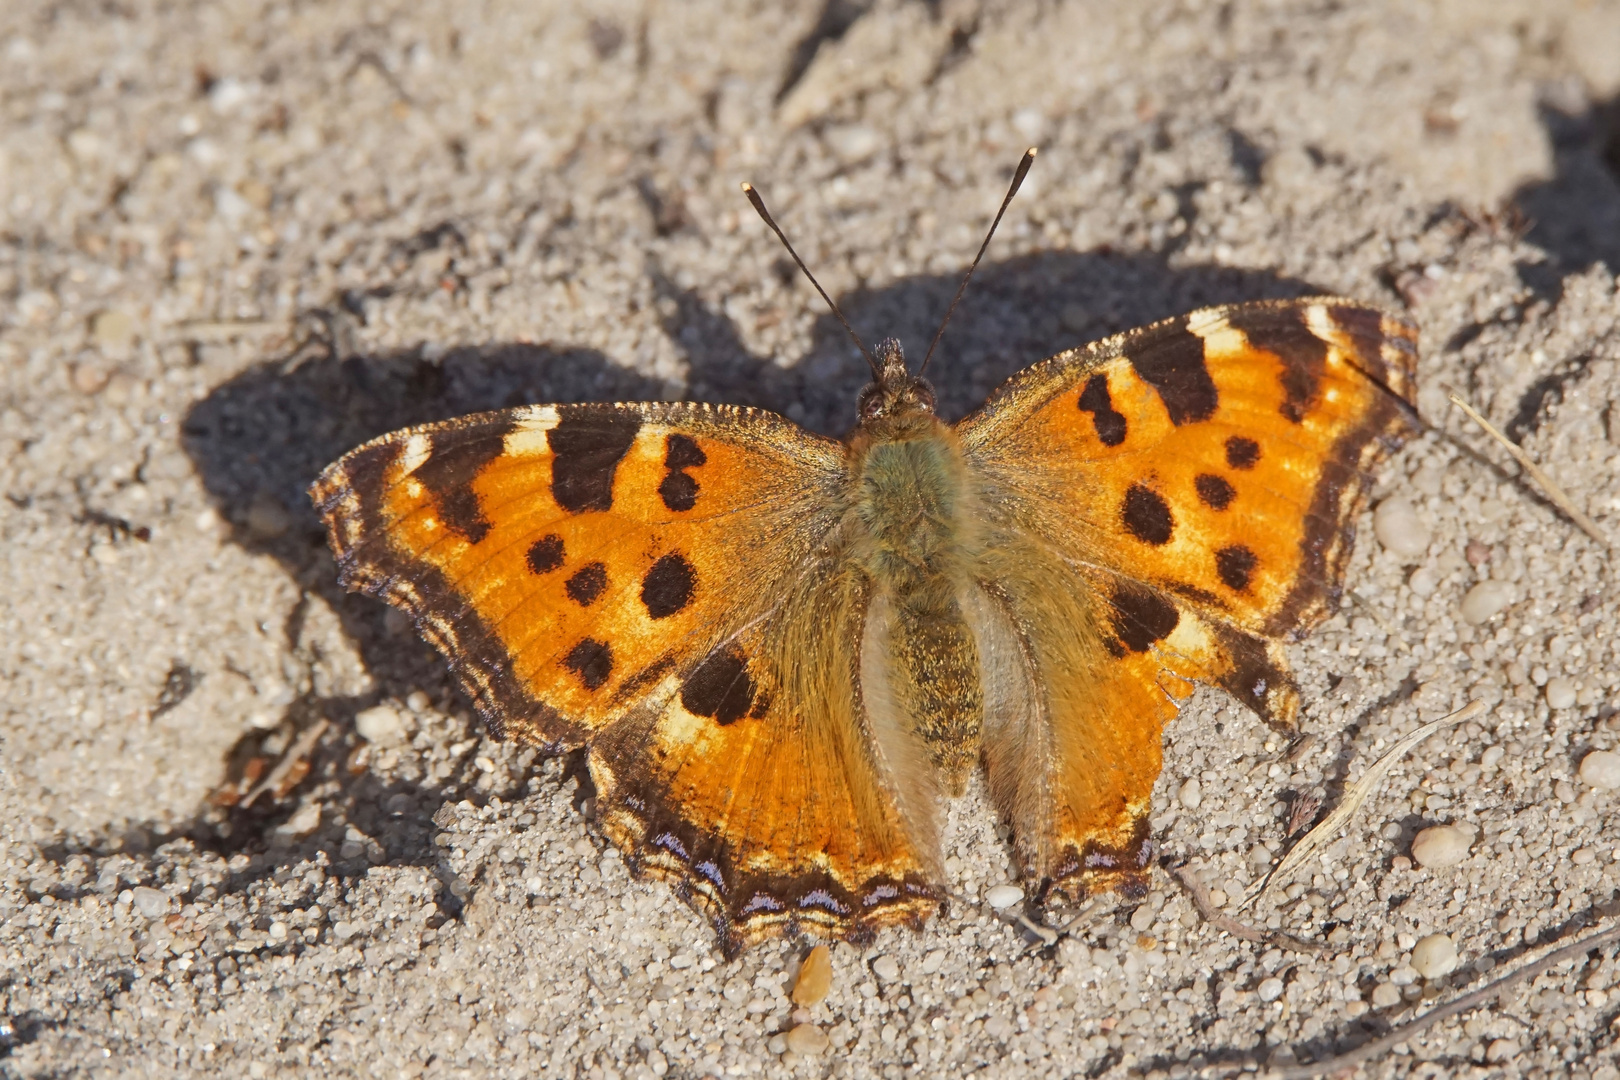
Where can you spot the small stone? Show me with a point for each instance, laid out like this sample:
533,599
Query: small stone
1560,692
1399,528
1601,769
90,377
113,331
380,724
815,977
1441,846
278,930
1404,975
1190,794
1477,553
1583,856
1501,1050
1385,994
807,1040
303,822
1003,896
1269,989
777,1044
852,143
267,517
933,961
1434,956
150,902
1485,601
886,968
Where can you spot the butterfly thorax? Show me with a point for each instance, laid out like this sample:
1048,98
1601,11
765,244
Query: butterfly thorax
913,533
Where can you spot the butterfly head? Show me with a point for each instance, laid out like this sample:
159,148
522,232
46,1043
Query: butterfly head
896,394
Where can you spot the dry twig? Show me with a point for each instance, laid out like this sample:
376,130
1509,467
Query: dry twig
1554,493
295,754
1242,931
1354,797
1471,1000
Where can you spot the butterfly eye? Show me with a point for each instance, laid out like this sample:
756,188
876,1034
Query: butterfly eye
871,403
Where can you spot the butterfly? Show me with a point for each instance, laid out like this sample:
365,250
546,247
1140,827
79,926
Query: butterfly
781,653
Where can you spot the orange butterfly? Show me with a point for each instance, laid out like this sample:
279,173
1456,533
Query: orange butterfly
782,652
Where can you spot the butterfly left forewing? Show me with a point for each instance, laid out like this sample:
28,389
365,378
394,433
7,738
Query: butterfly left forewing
1165,507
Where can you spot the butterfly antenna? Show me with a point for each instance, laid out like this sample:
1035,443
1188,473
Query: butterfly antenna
1018,179
759,207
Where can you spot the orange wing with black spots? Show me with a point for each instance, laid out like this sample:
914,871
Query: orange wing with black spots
652,581
1166,506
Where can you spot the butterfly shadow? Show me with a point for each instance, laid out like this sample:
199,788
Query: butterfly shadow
258,440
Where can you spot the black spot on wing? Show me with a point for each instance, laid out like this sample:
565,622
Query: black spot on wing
683,452
456,455
1213,491
1147,515
678,491
591,661
1142,616
720,688
546,554
1303,356
1235,564
586,449
1094,399
586,584
1242,453
1170,358
667,588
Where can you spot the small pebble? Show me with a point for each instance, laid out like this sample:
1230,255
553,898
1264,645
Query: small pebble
90,378
1601,769
113,332
1385,994
1477,553
1582,856
1501,1050
1190,794
1269,989
1399,528
1485,601
933,961
1441,846
807,1040
886,968
1560,692
267,517
1404,975
815,978
1003,896
150,902
380,724
852,143
1434,956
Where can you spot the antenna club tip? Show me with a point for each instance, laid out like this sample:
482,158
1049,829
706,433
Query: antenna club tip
746,186
1032,151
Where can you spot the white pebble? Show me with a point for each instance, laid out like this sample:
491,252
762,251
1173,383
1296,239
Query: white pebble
1269,989
1434,956
933,961
1386,994
380,724
852,142
1190,794
1601,769
1560,692
1399,528
807,1039
1485,601
1003,896
1441,846
886,968
150,902
1405,975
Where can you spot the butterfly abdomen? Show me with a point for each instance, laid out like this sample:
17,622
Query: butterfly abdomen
916,536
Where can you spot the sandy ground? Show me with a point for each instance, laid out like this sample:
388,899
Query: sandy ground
238,238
